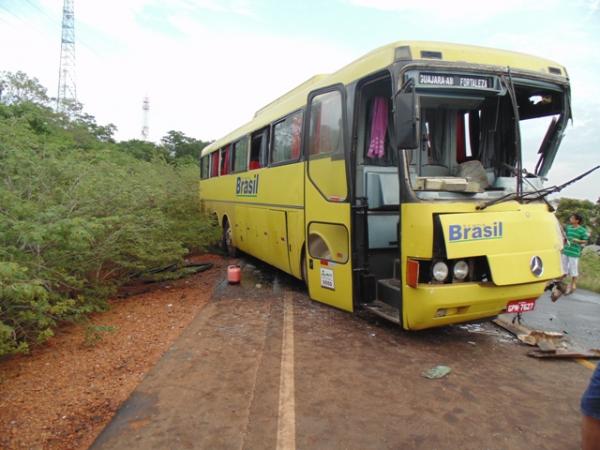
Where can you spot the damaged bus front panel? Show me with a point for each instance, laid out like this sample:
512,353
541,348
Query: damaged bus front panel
464,140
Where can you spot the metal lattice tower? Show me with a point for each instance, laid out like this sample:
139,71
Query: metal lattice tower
66,73
145,127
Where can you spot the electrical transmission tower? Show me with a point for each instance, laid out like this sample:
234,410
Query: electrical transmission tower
145,127
66,73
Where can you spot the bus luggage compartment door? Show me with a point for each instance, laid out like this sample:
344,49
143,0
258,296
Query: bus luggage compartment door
269,237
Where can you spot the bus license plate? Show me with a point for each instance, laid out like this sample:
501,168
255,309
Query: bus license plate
520,306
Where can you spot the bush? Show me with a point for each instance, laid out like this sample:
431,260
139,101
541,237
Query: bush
588,210
77,222
589,266
75,226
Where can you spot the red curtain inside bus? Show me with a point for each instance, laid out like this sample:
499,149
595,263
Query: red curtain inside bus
225,160
214,164
379,124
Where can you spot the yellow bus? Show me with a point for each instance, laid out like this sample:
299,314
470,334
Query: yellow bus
397,184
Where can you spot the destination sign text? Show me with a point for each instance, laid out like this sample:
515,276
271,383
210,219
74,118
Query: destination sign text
452,80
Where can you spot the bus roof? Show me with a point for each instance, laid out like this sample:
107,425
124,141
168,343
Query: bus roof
383,57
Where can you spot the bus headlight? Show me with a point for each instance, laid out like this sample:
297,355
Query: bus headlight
439,271
460,270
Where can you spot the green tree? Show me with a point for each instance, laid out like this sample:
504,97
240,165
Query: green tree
75,224
84,125
144,150
19,88
590,212
179,146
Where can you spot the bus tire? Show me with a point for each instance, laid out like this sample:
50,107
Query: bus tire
227,240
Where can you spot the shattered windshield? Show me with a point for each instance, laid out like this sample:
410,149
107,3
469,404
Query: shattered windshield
468,142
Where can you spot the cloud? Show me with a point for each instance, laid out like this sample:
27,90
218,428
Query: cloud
239,7
204,82
465,10
208,65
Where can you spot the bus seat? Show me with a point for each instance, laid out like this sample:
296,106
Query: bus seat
254,165
382,189
491,175
383,197
434,170
383,230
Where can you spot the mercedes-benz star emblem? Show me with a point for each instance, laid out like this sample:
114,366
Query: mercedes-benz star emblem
536,266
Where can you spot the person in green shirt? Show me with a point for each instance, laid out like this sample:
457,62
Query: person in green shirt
577,236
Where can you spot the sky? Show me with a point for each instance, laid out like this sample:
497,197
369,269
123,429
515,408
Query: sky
208,65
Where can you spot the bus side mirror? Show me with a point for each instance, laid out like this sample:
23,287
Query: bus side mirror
406,121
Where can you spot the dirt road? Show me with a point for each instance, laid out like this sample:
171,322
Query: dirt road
262,366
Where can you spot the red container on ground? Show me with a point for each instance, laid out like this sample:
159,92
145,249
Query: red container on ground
234,274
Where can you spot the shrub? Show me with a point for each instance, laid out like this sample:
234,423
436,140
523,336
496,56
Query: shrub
589,266
76,222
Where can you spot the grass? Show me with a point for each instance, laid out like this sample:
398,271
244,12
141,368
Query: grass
589,270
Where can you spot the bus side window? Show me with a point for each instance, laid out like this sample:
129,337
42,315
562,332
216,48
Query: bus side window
326,124
214,164
258,149
326,164
286,139
225,160
240,155
204,165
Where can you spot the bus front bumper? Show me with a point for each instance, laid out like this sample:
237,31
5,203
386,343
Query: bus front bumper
432,305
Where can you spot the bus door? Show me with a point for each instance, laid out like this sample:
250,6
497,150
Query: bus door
327,207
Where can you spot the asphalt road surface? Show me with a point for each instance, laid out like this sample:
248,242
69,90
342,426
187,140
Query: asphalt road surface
577,314
262,366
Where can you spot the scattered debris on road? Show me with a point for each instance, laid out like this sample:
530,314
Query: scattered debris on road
565,353
539,338
437,372
478,328
550,344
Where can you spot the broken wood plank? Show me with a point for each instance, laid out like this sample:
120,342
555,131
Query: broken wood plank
559,353
527,336
513,328
535,337
546,346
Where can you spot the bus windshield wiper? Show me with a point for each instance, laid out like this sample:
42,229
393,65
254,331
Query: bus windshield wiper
510,195
526,174
550,190
504,198
528,197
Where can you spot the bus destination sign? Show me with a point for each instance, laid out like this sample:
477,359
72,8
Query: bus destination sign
451,80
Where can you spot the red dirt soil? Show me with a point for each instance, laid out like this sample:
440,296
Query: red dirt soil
64,393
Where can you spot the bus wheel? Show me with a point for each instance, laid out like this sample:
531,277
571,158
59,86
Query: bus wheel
227,240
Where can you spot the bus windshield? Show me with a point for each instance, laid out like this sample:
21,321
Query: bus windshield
468,140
